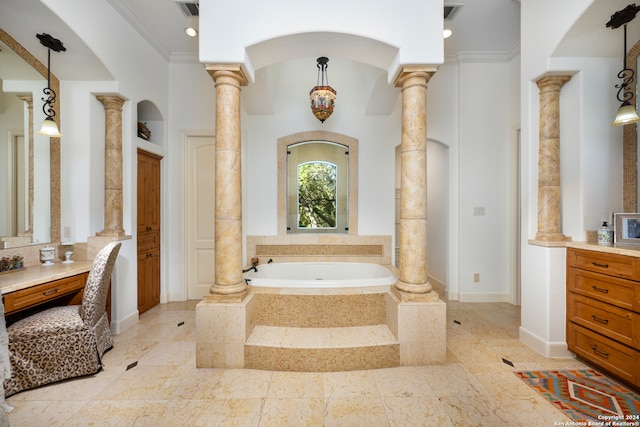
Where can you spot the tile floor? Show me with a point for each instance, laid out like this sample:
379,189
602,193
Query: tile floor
474,387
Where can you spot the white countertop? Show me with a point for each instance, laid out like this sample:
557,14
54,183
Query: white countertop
30,276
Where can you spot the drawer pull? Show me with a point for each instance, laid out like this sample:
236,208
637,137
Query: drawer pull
600,319
599,353
51,292
603,290
595,264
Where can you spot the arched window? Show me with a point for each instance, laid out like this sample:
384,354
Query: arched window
317,181
317,195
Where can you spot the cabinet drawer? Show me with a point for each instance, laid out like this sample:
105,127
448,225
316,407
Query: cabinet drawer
612,290
616,358
19,300
611,264
148,240
613,322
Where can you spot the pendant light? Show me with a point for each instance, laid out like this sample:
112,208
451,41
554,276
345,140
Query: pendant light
323,96
49,126
627,112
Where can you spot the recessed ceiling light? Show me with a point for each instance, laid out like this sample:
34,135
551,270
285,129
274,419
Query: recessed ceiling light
446,33
191,32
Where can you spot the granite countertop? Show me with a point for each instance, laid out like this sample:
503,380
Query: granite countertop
30,276
630,250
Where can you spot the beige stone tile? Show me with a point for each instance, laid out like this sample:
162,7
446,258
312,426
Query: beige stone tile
168,353
43,412
355,411
408,381
243,384
296,385
415,411
139,383
190,383
348,384
292,412
169,413
230,412
106,413
479,410
453,380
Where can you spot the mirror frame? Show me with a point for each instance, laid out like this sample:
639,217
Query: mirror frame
54,143
318,135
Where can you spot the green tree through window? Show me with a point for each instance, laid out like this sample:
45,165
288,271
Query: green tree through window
317,195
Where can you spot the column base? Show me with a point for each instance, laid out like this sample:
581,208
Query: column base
117,234
228,293
421,329
552,237
407,296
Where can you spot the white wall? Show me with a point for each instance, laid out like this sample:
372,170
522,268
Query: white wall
140,73
377,136
591,156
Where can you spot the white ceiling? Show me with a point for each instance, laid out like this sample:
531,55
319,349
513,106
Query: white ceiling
480,26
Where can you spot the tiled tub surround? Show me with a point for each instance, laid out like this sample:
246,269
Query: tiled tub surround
309,247
319,330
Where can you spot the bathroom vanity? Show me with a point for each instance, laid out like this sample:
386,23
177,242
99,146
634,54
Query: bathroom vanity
39,287
603,308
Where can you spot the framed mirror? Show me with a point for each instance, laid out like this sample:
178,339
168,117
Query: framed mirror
29,164
317,184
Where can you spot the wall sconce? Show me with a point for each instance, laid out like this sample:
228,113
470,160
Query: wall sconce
49,127
323,97
627,112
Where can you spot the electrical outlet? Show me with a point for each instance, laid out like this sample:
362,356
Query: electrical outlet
476,277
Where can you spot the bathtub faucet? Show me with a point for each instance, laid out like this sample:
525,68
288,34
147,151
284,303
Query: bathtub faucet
254,268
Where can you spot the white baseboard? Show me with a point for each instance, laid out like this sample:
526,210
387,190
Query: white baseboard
119,326
547,349
483,297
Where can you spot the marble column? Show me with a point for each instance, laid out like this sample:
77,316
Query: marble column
413,280
113,199
229,282
549,206
28,99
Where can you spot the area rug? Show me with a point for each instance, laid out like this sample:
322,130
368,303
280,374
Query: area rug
586,395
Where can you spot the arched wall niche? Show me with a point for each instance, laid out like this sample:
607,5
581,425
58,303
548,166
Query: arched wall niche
149,116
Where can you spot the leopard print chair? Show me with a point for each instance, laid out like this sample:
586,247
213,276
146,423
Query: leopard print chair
64,342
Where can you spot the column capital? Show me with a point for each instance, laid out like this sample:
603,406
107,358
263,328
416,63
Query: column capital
552,83
232,74
111,102
28,99
408,73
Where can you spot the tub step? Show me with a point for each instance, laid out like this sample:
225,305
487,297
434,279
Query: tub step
321,349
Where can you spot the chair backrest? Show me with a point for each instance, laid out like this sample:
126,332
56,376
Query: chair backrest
94,300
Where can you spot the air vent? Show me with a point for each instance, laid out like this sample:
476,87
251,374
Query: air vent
189,8
451,10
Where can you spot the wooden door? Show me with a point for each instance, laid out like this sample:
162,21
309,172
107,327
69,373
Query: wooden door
148,230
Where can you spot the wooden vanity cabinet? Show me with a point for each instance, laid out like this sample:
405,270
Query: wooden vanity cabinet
24,302
603,311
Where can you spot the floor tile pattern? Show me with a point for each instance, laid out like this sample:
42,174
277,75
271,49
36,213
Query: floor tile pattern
473,387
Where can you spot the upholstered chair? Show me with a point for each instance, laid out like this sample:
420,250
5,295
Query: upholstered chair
64,342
